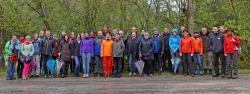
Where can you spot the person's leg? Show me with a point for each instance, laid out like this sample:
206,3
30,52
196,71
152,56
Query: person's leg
185,65
216,64
9,71
229,65
96,69
223,63
119,66
235,66
45,68
190,64
84,62
109,61
134,69
104,61
210,62
115,68
130,60
150,69
205,62
19,71
164,61
88,63
200,67
37,62
195,58
77,65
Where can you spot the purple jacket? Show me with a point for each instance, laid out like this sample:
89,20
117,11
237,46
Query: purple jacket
87,46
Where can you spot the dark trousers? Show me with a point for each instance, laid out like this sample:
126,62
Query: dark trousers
166,60
219,60
44,63
65,68
19,68
232,65
157,63
117,70
148,67
187,64
71,65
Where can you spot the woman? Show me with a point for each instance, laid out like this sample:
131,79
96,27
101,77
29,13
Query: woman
27,51
106,55
146,53
12,48
87,51
174,42
37,55
76,55
118,49
198,52
186,53
65,55
231,44
55,52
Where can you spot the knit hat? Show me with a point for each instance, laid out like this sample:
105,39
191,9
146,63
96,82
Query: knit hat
174,30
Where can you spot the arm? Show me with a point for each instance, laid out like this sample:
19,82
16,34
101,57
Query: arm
201,45
102,48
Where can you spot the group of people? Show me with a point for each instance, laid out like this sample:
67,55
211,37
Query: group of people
104,53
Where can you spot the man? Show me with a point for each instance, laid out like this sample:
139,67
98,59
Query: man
132,51
207,60
166,57
47,48
97,48
231,44
217,48
157,51
122,37
12,48
141,37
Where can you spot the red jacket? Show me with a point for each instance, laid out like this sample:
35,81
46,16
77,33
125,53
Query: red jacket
230,44
186,45
197,45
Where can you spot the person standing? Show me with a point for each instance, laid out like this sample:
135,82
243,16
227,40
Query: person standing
27,51
20,64
132,51
198,52
97,46
186,52
37,55
106,55
87,51
217,40
146,53
165,50
65,54
12,48
47,48
174,44
231,44
157,65
75,50
118,49
207,57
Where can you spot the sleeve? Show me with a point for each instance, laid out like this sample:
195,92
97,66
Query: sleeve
102,48
32,50
192,43
201,45
225,45
180,46
170,44
7,48
237,41
140,47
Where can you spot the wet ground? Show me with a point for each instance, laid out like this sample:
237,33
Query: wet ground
128,85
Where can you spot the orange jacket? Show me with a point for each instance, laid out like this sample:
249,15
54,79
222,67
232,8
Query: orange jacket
106,48
197,45
186,45
231,43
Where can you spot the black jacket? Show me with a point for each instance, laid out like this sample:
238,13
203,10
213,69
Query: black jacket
146,49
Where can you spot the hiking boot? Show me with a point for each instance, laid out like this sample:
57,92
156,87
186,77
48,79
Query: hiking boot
130,74
216,75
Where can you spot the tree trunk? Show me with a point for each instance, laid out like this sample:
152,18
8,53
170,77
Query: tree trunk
190,16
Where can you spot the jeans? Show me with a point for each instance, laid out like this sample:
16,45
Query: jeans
37,62
117,66
187,64
174,61
131,63
19,68
148,68
10,70
157,63
77,60
98,64
86,57
197,63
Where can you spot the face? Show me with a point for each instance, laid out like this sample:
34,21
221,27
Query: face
229,32
121,33
196,34
215,29
133,35
63,33
78,36
174,33
28,39
86,35
54,37
99,33
108,37
35,36
185,34
66,37
82,35
221,29
166,30
41,33
47,34
156,32
133,29
142,32
14,38
204,31
183,28
146,36
117,36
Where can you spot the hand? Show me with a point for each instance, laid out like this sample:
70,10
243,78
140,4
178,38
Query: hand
140,55
192,54
233,40
72,57
225,54
180,54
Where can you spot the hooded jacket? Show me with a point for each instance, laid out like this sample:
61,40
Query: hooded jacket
165,42
146,49
97,45
87,46
106,48
197,45
132,46
231,43
47,46
118,48
186,45
207,43
27,49
65,51
174,43
156,44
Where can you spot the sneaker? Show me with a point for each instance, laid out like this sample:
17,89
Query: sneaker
192,75
134,74
234,77
24,78
151,75
87,75
130,74
223,76
84,75
216,75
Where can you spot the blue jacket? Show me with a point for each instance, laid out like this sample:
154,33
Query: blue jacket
37,47
97,45
174,43
156,45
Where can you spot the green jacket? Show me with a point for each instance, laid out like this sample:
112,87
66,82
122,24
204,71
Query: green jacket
8,49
